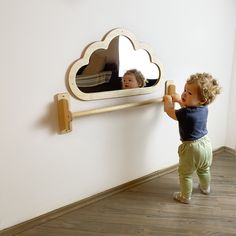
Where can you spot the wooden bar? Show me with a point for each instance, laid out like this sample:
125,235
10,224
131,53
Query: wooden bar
115,108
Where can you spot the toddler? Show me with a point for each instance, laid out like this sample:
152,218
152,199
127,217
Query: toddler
195,152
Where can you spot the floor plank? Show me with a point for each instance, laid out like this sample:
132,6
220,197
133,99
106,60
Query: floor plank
148,209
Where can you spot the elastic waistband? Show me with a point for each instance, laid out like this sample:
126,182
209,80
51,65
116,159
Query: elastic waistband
205,137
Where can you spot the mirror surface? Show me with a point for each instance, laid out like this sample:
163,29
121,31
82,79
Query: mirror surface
98,74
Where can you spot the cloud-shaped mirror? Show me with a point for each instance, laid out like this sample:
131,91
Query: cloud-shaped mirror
99,73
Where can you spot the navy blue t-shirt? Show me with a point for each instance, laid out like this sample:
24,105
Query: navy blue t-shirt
192,122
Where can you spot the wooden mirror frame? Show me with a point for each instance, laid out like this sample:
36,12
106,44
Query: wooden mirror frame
103,44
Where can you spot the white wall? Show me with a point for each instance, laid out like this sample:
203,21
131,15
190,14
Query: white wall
231,127
41,170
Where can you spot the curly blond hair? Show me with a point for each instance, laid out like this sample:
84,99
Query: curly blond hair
207,85
138,75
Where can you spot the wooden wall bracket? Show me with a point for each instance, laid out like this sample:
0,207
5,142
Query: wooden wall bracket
169,87
64,114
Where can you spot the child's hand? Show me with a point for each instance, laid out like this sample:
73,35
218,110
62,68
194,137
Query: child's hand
167,98
176,97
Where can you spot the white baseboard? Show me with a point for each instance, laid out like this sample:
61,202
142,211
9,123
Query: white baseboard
224,149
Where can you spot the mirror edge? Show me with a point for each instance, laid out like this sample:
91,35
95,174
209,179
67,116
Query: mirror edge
103,44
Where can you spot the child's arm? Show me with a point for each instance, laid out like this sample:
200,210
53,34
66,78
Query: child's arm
169,106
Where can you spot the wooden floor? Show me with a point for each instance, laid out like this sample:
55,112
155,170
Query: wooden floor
148,209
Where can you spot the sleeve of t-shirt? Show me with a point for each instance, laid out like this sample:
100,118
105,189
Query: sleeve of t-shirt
180,114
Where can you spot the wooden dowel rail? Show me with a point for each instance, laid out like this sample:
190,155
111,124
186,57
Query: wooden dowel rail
65,116
115,108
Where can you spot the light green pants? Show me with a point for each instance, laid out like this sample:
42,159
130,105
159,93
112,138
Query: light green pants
194,156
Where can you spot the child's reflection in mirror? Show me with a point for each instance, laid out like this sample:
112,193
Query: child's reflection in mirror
133,79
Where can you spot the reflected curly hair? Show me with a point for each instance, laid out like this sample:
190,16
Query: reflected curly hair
138,75
208,87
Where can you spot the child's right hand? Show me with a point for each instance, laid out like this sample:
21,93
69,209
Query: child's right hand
176,97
